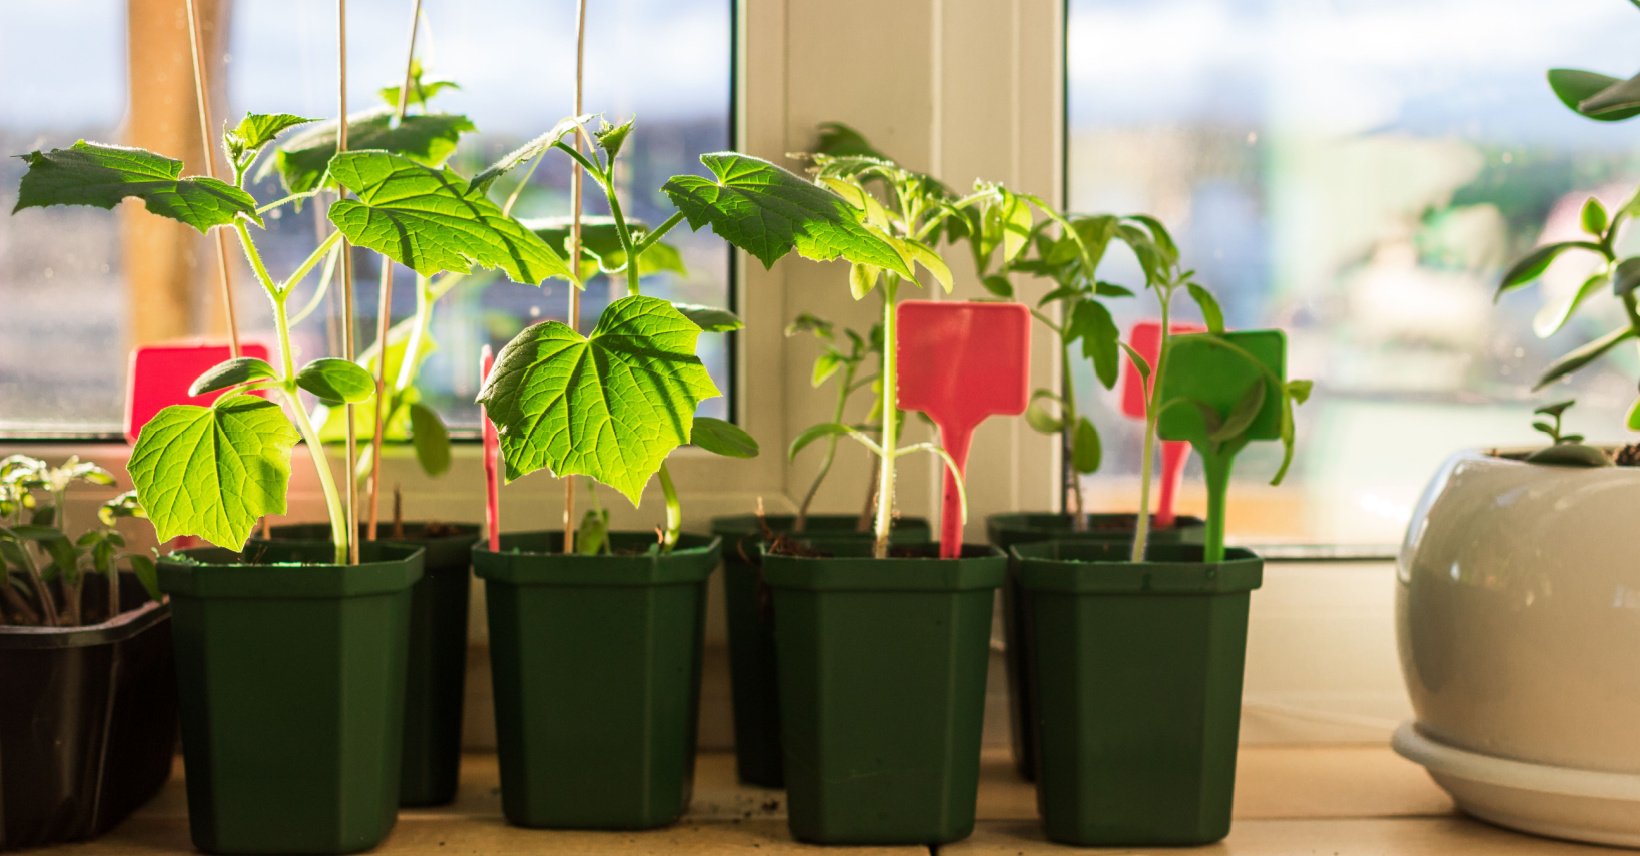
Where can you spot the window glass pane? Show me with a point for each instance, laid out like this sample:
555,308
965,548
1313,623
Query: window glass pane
667,62
62,307
1359,172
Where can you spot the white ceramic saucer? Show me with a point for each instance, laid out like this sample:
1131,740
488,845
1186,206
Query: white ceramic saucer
1560,802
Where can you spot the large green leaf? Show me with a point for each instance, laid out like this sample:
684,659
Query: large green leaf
429,139
103,175
431,220
611,406
768,212
213,471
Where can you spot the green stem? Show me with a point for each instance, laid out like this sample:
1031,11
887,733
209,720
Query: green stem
424,315
254,256
291,198
338,523
625,235
665,226
1067,435
891,411
333,503
843,389
1216,467
1141,530
331,259
312,259
674,511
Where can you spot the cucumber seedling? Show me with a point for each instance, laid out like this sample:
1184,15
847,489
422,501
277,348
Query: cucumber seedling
214,471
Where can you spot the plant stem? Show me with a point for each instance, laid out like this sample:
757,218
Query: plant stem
674,511
665,226
1141,529
866,511
891,412
339,536
25,613
384,317
1216,468
1067,436
843,389
325,246
418,332
113,589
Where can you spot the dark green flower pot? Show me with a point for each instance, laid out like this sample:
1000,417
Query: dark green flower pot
1006,530
436,682
596,666
1137,671
753,687
291,687
882,691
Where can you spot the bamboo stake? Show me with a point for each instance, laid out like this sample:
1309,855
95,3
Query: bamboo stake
574,319
384,309
200,90
347,288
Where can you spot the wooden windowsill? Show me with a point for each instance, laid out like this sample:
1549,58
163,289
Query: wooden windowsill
1343,800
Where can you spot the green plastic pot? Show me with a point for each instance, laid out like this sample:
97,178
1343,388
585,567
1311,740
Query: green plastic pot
882,691
753,688
436,680
290,680
1004,531
596,666
1137,672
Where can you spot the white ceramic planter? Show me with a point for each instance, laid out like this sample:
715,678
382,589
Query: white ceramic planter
1518,621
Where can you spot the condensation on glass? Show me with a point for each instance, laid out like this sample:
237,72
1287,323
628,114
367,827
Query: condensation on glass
62,305
1359,173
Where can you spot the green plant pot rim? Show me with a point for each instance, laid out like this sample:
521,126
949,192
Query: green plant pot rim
530,558
321,532
215,572
852,568
1059,523
1083,567
748,524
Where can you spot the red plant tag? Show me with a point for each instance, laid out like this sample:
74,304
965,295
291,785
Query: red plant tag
161,374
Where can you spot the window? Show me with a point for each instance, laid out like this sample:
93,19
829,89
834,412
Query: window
62,308
1359,173
515,63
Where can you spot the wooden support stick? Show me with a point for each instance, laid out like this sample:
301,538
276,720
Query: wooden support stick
574,319
201,89
384,313
347,289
